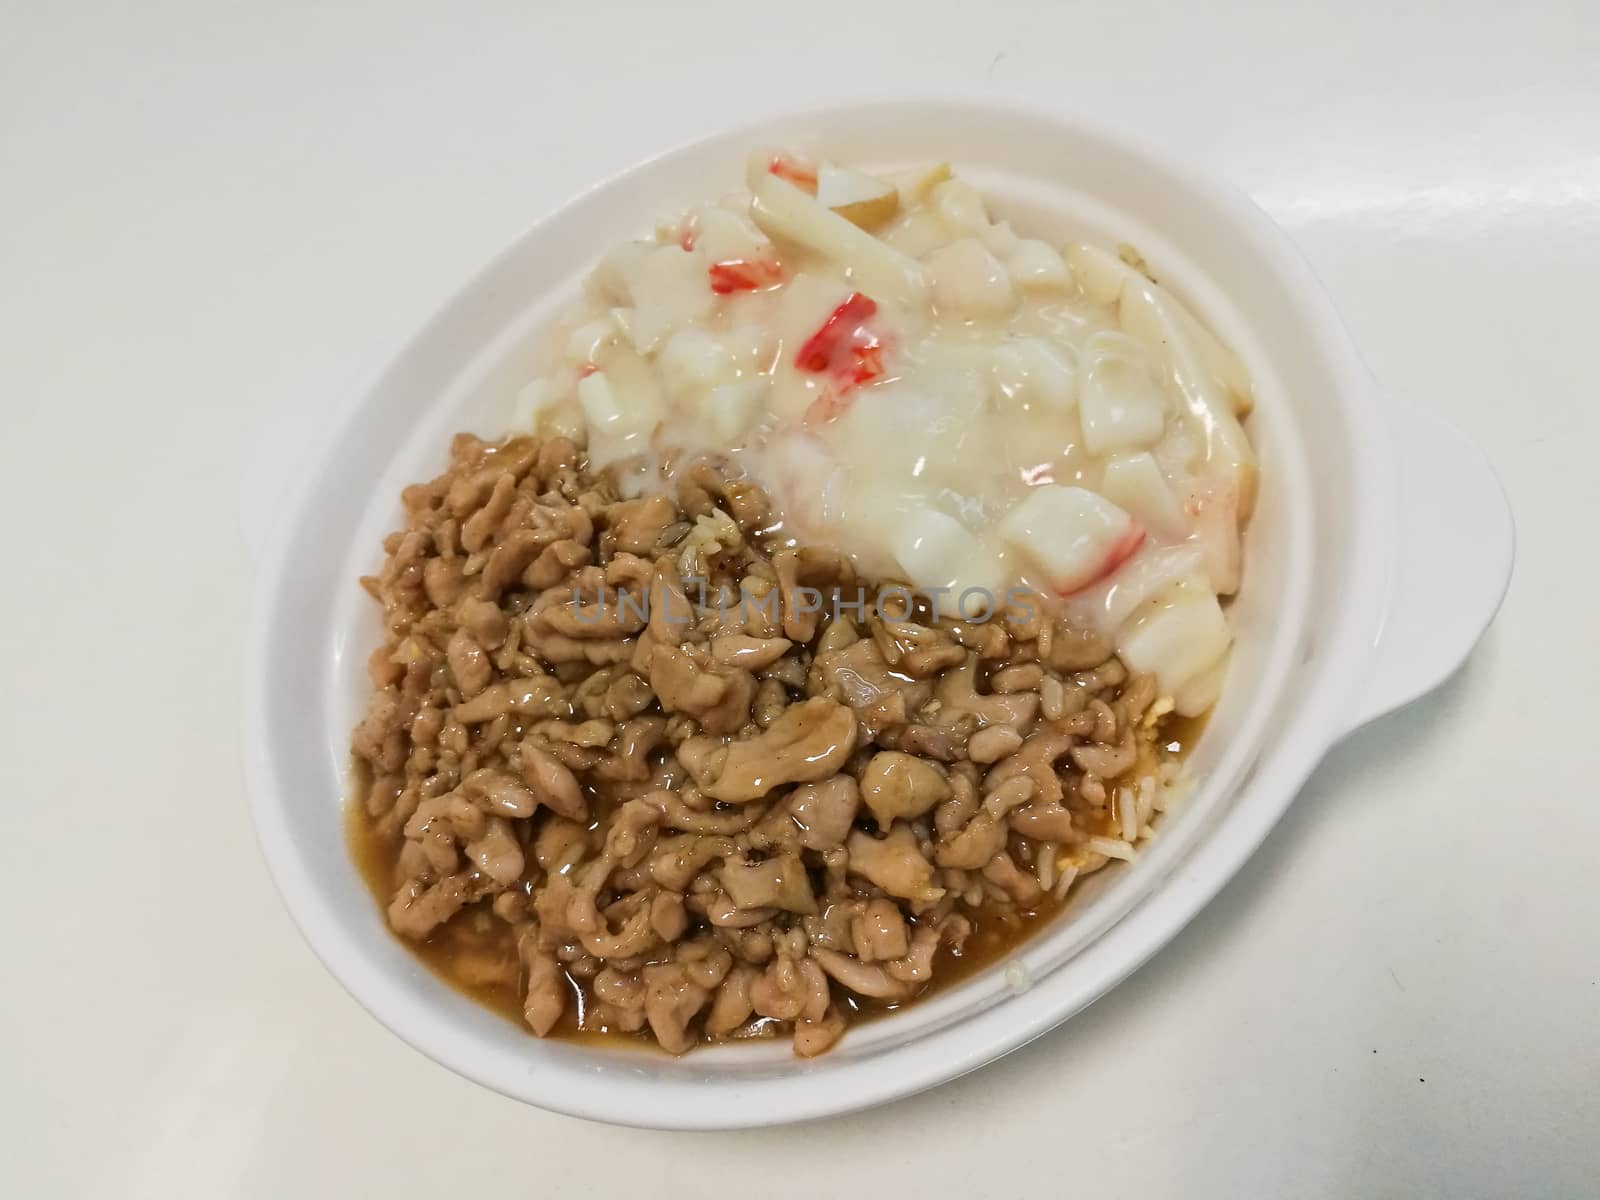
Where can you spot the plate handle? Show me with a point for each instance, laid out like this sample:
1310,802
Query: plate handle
1457,545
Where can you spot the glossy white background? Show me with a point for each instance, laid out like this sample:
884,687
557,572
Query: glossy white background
217,220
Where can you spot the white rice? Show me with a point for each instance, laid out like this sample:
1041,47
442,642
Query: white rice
1175,785
1044,864
1127,814
1110,847
1134,808
1147,799
1064,881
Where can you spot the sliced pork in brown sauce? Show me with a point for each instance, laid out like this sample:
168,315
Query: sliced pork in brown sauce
599,785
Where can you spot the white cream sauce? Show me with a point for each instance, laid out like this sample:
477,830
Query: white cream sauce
950,403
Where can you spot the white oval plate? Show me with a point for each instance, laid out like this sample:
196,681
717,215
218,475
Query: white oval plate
1323,552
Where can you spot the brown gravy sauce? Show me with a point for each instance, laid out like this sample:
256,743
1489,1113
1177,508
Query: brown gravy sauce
475,952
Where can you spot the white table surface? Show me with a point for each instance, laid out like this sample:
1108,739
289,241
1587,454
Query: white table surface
215,219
